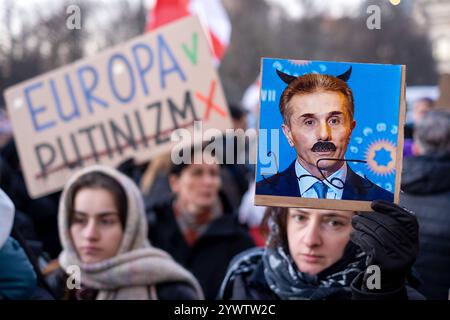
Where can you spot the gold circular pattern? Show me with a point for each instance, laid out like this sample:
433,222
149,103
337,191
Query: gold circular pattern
371,153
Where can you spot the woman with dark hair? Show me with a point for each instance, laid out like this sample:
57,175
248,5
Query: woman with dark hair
328,254
197,225
103,231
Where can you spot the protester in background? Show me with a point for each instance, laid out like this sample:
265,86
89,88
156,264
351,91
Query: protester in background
309,255
426,190
17,277
420,108
197,226
103,230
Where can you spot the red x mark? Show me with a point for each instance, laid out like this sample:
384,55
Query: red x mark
209,101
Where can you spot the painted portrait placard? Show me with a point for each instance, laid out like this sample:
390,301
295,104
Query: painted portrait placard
330,134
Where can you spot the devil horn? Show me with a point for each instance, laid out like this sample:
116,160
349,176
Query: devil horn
285,77
346,75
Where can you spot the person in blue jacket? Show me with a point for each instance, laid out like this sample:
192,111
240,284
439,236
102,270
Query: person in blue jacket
17,277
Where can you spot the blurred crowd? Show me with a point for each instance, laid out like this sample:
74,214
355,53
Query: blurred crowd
190,231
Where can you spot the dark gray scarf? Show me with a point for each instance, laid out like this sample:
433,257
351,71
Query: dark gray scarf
289,283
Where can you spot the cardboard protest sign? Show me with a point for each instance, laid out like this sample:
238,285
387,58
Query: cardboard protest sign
330,134
123,103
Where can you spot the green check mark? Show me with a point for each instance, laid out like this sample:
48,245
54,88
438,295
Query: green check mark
192,52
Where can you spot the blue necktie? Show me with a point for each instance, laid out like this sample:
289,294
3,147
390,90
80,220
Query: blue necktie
321,189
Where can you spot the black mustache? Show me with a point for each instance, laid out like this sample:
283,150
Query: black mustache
323,146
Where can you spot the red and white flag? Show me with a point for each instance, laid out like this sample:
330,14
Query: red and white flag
210,12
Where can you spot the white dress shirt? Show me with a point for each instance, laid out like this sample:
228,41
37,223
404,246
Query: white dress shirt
306,183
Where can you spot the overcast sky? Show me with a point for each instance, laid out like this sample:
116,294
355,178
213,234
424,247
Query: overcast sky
333,7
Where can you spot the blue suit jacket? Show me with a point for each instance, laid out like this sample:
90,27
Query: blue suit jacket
356,187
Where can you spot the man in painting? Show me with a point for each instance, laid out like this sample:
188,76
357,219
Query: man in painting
318,120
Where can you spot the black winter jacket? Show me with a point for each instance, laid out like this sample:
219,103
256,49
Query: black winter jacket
210,255
426,191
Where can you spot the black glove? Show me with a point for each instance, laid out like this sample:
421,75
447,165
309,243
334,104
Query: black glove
390,238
